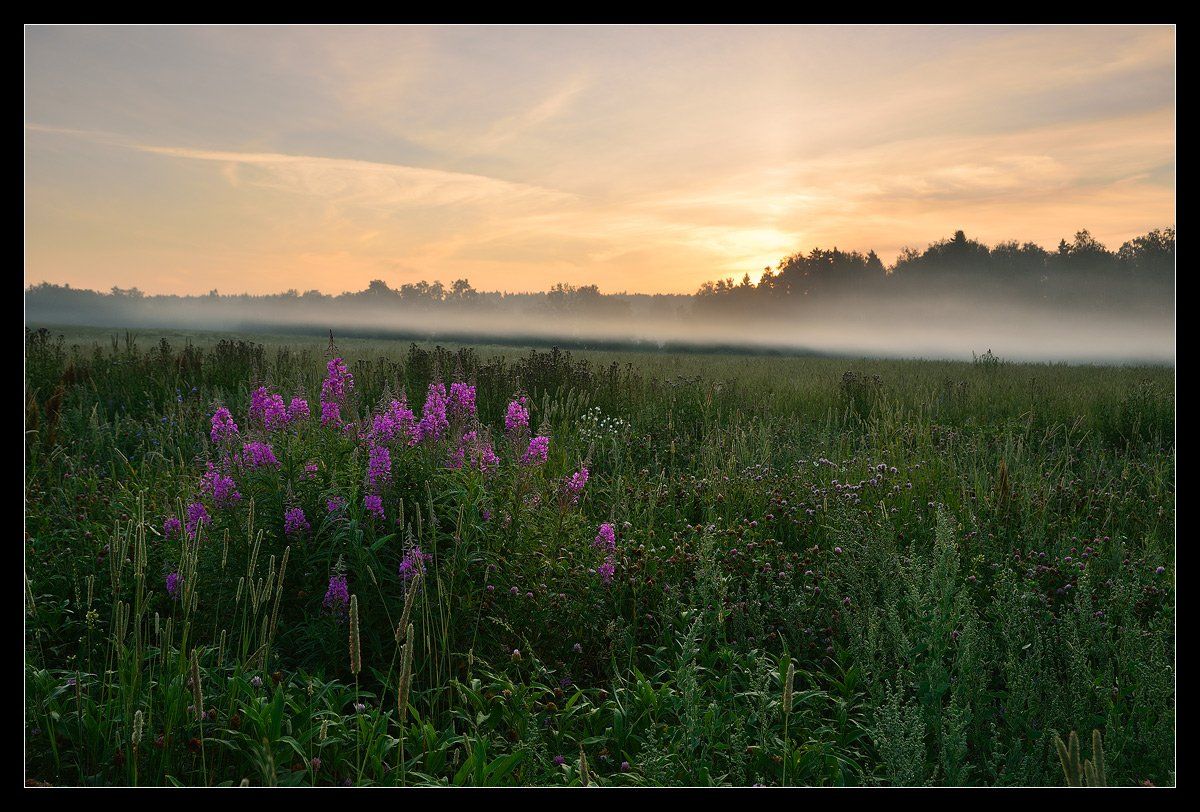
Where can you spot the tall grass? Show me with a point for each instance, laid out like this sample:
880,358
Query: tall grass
828,572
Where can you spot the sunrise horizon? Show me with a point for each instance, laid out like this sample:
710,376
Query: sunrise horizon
641,159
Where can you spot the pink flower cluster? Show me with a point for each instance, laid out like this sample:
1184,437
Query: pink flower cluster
517,415
220,486
223,427
538,451
606,540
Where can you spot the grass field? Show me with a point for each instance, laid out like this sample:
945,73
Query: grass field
776,570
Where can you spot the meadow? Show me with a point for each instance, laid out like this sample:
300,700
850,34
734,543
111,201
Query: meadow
277,560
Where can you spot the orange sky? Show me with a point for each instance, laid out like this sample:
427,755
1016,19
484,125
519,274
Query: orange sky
645,159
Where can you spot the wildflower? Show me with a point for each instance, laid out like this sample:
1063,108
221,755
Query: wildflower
559,761
379,465
413,563
268,408
171,527
577,648
606,537
295,522
433,416
625,766
197,514
1160,570
256,681
476,452
397,421
258,455
516,655
331,413
374,504
337,596
576,482
338,382
298,410
539,448
220,486
335,504
517,416
311,469
173,585
462,400
606,570
223,427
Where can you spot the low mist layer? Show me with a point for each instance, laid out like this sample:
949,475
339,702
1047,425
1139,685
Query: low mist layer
1082,303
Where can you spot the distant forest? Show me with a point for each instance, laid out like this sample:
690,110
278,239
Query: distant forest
1080,275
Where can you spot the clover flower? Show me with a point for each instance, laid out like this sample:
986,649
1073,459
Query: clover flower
223,427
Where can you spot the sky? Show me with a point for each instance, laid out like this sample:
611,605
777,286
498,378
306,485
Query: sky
639,158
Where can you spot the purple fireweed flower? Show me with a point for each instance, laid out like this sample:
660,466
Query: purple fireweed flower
335,504
338,382
331,413
374,504
606,570
379,466
517,416
433,416
462,400
298,409
219,486
223,427
197,514
268,408
173,585
576,482
258,455
311,469
397,422
476,452
413,563
171,527
294,521
539,448
606,538
337,596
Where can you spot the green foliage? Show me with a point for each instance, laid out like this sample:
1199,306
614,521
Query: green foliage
905,573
